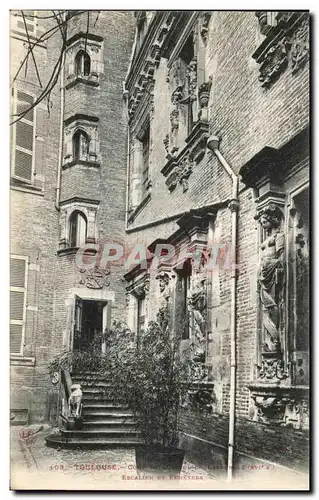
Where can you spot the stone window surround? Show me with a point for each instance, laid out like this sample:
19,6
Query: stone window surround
136,161
90,210
181,161
93,46
137,289
275,393
89,125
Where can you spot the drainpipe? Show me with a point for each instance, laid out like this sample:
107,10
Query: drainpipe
213,145
62,100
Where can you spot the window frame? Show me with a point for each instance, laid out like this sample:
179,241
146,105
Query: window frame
14,146
16,15
183,279
140,307
80,62
76,144
19,289
145,161
75,223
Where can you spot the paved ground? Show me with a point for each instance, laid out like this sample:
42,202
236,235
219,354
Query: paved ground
35,466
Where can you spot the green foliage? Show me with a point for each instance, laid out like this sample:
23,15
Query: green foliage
150,377
89,360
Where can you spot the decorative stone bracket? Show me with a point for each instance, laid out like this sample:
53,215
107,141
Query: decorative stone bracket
179,168
287,406
286,44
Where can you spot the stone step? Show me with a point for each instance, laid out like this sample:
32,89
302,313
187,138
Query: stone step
108,407
100,434
109,425
59,441
107,417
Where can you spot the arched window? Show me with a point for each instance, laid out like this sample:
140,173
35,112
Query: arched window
80,145
78,225
82,63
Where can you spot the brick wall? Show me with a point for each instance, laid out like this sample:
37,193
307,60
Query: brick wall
247,118
252,439
35,220
34,233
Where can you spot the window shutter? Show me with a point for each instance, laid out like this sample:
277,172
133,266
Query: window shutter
24,138
18,288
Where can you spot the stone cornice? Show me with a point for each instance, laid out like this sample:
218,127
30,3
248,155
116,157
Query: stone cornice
148,57
77,199
265,164
81,116
82,34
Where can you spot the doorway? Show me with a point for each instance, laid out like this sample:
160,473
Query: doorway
89,319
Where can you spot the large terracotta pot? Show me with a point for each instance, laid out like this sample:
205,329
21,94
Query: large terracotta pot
157,458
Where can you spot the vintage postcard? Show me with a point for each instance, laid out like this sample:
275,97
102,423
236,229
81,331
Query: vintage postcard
159,250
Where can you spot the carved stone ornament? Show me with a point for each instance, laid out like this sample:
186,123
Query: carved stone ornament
163,280
204,27
166,143
275,61
286,406
197,305
174,119
203,93
286,44
177,95
271,292
192,79
180,174
141,288
95,278
300,47
164,316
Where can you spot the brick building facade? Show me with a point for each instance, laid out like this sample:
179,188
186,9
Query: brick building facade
75,194
191,134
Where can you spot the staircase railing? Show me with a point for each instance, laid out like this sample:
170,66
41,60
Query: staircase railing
65,391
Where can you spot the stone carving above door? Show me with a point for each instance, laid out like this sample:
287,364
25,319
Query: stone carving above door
96,278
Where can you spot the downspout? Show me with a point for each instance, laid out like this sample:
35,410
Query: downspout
213,145
62,101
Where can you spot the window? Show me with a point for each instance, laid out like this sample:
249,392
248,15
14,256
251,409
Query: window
187,56
181,301
267,20
140,314
18,292
82,64
23,137
80,146
145,162
78,225
30,21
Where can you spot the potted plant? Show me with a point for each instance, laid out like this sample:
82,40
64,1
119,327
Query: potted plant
150,376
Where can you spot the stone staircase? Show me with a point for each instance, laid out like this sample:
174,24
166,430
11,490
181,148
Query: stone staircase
106,424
